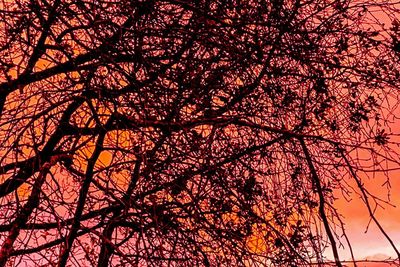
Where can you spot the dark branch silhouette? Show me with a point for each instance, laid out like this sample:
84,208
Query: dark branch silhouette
192,133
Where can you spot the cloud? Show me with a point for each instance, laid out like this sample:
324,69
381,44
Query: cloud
378,257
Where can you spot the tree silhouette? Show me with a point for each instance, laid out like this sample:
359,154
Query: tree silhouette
191,133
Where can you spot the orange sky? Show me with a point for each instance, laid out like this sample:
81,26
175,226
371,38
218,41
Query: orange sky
373,244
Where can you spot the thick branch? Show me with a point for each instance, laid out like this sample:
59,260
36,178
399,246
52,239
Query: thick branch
322,213
23,216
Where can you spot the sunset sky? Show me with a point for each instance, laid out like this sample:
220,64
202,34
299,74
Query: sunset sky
372,244
176,128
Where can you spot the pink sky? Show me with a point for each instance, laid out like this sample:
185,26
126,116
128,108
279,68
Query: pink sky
372,244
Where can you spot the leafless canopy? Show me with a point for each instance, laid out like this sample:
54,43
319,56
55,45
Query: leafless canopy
191,133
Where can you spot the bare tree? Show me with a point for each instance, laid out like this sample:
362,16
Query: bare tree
191,133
